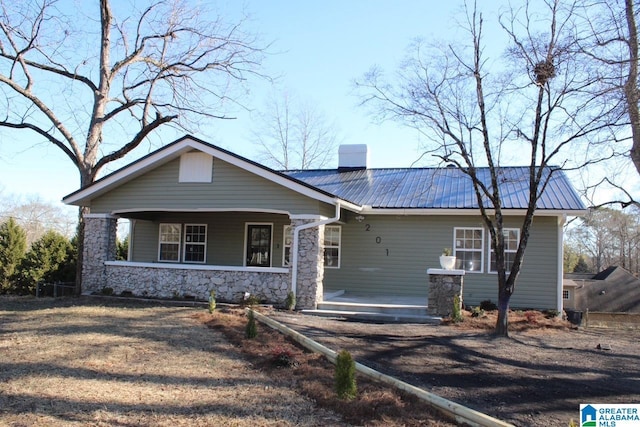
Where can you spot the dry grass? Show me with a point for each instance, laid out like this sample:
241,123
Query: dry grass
375,405
103,363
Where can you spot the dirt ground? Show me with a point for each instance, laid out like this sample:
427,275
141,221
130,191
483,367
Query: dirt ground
87,362
537,377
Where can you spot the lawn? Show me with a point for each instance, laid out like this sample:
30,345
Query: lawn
68,362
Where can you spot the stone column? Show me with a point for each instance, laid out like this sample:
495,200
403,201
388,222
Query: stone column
309,288
444,285
99,246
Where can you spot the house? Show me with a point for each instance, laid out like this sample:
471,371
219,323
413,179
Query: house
613,290
203,218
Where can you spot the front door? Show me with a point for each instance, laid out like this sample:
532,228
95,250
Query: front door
258,245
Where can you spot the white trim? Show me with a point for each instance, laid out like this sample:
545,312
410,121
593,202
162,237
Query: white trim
174,266
481,250
559,267
442,272
308,216
185,243
200,210
246,236
466,212
100,215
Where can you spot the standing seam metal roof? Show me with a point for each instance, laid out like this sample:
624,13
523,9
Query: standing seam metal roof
436,188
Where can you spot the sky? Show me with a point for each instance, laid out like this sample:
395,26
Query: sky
317,49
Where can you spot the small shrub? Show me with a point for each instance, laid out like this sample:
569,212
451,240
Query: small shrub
283,358
531,317
456,314
107,291
212,300
290,302
487,305
251,330
477,312
550,314
345,376
250,300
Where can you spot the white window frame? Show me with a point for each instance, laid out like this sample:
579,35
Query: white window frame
506,250
566,292
188,243
287,232
338,246
161,242
246,242
458,247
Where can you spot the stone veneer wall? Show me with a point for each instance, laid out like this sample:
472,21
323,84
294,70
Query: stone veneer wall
444,285
309,288
99,246
230,286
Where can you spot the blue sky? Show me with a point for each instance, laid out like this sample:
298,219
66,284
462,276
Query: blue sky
318,48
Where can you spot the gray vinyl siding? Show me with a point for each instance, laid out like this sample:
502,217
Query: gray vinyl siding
225,236
409,245
231,187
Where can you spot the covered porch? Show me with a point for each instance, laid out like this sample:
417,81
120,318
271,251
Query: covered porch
241,252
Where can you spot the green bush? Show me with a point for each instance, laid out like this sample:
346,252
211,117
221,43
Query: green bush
345,376
487,305
46,261
251,330
13,247
212,301
290,302
456,313
477,312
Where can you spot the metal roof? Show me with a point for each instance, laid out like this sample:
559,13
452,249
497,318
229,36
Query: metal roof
436,188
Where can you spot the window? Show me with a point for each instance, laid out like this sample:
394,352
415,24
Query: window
169,248
565,294
195,243
511,239
468,248
332,246
287,239
258,252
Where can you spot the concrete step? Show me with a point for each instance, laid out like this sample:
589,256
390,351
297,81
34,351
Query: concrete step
393,309
373,316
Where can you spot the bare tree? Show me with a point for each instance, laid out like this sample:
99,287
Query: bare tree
477,115
292,134
607,37
97,86
36,216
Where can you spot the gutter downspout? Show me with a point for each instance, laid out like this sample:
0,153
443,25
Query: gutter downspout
561,221
295,244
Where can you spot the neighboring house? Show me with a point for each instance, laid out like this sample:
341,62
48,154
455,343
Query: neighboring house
203,218
613,290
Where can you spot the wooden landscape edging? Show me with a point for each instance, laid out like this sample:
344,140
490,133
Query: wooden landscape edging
459,412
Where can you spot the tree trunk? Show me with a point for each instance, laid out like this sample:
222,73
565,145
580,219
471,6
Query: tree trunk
502,324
